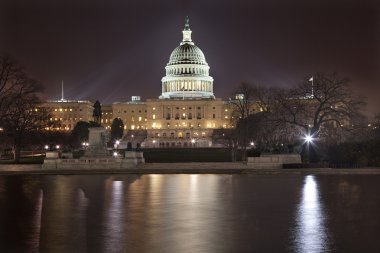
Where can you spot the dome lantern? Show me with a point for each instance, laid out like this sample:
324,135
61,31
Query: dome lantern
187,33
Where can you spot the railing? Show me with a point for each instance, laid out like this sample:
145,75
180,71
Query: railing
88,161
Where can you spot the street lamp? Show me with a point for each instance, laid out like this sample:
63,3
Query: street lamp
116,145
309,140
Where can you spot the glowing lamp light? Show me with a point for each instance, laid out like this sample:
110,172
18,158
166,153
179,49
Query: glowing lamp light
46,147
117,142
115,154
57,146
252,143
309,138
193,141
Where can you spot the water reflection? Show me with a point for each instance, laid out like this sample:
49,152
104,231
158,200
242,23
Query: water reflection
114,220
34,240
189,213
310,234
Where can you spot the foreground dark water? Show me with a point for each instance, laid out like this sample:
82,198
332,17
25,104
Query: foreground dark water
190,213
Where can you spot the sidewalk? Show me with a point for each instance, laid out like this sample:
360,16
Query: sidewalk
180,168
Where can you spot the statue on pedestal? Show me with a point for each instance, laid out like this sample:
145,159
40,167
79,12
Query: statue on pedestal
97,113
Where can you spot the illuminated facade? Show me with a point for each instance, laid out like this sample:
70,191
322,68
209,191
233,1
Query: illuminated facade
184,115
187,72
68,112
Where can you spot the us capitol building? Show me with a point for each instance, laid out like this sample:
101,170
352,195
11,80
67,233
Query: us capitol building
184,115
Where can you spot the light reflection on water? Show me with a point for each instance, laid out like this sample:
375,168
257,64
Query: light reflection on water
310,234
33,240
114,220
189,213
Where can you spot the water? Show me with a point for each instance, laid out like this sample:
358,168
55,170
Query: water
190,213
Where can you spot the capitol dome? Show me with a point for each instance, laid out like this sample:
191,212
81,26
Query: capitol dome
187,72
187,54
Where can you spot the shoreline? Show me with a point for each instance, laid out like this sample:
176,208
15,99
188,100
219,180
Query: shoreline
184,168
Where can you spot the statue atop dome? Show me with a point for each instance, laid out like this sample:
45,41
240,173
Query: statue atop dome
187,24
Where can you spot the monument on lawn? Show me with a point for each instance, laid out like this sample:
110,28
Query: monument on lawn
97,136
96,155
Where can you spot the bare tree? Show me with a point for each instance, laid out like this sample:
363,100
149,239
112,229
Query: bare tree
23,118
242,106
19,102
330,103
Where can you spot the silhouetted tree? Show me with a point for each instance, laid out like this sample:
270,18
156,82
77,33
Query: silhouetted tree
117,129
242,106
332,102
19,104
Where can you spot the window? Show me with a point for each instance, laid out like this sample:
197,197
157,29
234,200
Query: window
177,116
190,116
213,116
168,116
198,115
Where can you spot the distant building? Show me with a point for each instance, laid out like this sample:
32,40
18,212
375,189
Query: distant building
68,112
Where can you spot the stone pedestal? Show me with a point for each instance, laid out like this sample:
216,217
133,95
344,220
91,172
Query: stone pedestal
273,161
130,160
140,157
51,159
97,143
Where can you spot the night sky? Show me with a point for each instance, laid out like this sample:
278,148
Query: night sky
111,50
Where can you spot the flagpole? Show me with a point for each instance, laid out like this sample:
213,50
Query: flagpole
312,87
62,91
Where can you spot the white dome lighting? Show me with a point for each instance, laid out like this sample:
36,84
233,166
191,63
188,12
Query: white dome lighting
187,73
